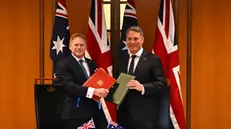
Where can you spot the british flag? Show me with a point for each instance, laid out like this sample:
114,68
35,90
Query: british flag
98,47
88,125
59,45
165,45
130,19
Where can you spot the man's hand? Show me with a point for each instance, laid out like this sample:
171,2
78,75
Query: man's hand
134,84
101,92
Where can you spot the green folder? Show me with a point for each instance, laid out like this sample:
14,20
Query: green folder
120,89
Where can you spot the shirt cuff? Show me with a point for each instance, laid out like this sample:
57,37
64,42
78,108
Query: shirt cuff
143,90
90,92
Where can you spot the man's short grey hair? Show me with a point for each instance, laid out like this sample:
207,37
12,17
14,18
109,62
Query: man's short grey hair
136,29
77,35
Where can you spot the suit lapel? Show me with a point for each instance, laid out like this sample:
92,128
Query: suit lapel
91,68
77,68
75,65
142,62
125,65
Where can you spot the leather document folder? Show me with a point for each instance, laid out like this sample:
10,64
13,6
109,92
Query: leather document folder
120,89
100,79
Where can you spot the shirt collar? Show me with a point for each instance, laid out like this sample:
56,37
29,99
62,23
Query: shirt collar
78,58
138,54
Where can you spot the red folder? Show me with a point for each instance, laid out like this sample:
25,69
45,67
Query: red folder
100,79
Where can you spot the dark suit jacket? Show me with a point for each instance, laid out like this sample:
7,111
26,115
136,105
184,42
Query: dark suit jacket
148,72
71,76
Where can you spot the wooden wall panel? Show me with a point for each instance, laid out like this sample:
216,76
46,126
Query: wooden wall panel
147,13
19,65
181,23
211,61
78,13
49,9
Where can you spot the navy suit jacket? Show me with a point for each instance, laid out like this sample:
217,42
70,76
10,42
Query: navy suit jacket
148,72
71,76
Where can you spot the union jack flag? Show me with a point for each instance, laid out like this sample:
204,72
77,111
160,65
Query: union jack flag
129,20
59,45
88,125
165,45
114,125
98,47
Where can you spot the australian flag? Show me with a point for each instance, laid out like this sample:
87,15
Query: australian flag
113,125
59,47
130,19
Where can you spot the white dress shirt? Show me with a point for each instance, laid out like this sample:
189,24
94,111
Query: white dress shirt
136,60
90,90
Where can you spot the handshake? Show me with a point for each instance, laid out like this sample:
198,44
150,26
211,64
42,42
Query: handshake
101,81
132,84
101,92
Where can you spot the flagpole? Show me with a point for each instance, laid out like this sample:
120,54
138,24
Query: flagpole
53,17
188,94
41,45
115,28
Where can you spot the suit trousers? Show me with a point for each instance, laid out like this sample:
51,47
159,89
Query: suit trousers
129,123
73,123
99,121
140,125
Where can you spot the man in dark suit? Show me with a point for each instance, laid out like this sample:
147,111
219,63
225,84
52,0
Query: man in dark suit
72,72
139,108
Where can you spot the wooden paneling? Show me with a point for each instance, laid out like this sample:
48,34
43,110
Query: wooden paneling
181,29
147,13
19,64
78,13
49,9
211,61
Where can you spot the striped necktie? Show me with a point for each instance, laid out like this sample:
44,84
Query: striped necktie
83,68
